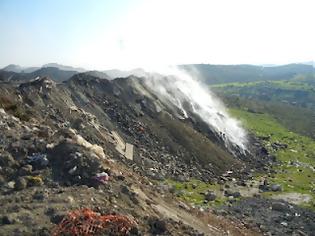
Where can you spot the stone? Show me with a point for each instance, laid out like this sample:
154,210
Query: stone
121,177
210,196
2,180
26,170
40,195
56,218
8,220
220,212
180,178
279,206
11,184
20,183
184,206
228,193
157,226
236,194
276,188
263,187
124,189
134,231
6,160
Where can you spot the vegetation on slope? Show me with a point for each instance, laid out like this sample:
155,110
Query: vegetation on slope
280,112
220,74
290,126
296,172
283,100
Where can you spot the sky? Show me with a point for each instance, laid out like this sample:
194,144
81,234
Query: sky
125,34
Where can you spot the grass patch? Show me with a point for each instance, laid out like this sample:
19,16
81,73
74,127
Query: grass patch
193,192
296,172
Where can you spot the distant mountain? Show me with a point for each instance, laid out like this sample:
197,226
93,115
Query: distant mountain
115,73
19,69
10,76
98,74
51,72
54,73
215,74
210,74
63,67
13,68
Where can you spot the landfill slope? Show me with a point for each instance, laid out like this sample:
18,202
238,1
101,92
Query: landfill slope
107,146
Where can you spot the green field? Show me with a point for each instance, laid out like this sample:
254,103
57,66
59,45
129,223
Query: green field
299,93
300,150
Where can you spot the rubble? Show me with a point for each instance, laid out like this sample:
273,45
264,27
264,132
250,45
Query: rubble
63,157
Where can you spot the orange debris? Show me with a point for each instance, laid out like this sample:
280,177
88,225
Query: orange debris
86,222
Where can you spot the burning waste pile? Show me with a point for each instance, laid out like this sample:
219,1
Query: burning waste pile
176,88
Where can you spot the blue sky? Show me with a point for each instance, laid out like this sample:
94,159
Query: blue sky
100,34
36,32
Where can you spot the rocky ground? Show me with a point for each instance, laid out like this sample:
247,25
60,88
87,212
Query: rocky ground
274,217
58,154
57,177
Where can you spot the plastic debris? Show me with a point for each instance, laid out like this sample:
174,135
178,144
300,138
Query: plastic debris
38,159
86,222
102,177
72,170
35,180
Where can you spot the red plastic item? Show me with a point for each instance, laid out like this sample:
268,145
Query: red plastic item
86,222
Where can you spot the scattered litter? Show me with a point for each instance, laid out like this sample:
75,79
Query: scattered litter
2,111
38,159
72,170
35,180
11,184
98,150
50,145
87,222
102,177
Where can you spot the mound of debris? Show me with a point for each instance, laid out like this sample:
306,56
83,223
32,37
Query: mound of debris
105,145
76,161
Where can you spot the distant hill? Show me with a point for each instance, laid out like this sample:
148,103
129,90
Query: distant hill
13,68
115,73
216,74
63,67
98,74
19,69
210,74
10,76
54,73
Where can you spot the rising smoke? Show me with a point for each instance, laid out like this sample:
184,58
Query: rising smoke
188,94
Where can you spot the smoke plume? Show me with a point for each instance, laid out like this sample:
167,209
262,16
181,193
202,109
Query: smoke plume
184,91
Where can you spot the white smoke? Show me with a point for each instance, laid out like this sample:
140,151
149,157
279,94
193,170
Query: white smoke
178,88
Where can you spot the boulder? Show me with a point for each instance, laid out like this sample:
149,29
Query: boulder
26,170
276,188
210,196
236,194
279,206
20,183
157,226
